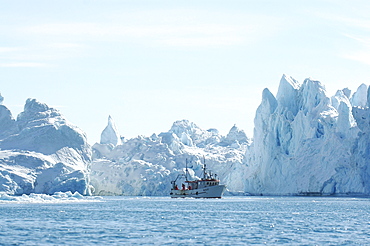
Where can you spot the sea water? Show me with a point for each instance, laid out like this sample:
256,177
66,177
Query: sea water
166,221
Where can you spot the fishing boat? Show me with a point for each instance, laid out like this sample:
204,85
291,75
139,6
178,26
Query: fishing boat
206,187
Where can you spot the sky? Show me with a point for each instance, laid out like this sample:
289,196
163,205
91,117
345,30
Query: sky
150,63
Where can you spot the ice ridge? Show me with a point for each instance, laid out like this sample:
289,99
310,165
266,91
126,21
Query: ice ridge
309,143
41,152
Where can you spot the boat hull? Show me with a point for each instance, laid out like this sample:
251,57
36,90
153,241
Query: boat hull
207,192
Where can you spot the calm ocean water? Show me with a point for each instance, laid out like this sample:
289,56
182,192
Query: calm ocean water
165,221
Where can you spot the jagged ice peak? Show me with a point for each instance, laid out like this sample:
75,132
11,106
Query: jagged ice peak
110,134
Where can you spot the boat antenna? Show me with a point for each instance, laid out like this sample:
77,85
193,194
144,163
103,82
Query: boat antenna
186,169
204,167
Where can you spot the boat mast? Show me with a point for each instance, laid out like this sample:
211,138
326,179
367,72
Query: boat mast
186,170
204,168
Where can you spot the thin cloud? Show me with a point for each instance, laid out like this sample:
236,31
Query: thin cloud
67,45
185,33
361,56
360,39
94,29
361,51
24,65
7,49
202,41
353,22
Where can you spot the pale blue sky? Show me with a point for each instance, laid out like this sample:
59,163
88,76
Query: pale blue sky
150,63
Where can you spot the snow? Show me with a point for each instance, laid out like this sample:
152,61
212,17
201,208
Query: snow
57,197
41,152
359,98
305,143
146,165
110,134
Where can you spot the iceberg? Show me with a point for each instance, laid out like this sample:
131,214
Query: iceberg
307,143
110,134
304,143
146,165
41,152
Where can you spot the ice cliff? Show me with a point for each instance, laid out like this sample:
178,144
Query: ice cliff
146,165
304,143
308,143
41,152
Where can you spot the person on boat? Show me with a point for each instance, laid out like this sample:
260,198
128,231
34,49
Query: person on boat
183,187
176,187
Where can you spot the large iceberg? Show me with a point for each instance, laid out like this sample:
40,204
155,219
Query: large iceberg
304,143
146,165
308,143
41,152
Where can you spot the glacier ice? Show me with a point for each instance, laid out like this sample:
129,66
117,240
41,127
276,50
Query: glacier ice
307,143
7,122
146,165
304,143
57,197
110,134
41,152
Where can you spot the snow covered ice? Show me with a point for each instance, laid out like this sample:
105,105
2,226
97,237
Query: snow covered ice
304,143
308,143
110,134
41,152
146,165
57,197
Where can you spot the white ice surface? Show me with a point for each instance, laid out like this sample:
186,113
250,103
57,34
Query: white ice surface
41,152
58,197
